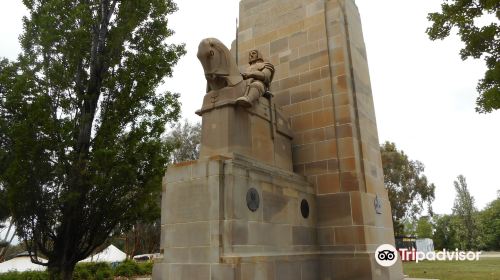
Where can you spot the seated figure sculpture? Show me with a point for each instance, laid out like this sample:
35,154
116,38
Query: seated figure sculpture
238,115
221,72
259,75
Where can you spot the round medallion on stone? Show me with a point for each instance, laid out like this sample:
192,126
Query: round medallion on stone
253,199
304,208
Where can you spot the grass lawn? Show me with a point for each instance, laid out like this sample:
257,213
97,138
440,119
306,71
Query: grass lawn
484,269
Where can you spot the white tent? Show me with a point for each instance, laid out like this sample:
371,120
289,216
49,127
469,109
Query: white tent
21,263
110,254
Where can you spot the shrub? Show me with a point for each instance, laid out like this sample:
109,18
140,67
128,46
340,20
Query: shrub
103,274
128,268
91,271
82,273
146,268
28,275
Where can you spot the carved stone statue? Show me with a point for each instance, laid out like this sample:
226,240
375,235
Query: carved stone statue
221,72
238,115
259,75
220,68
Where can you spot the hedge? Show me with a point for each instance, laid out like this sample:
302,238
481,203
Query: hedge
89,271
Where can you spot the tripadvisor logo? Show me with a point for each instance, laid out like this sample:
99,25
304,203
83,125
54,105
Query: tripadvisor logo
444,255
386,255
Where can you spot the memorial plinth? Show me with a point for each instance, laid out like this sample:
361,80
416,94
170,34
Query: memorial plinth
209,232
260,132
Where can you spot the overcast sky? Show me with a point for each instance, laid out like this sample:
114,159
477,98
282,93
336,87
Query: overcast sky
424,93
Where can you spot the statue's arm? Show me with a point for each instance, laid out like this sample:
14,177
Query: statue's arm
258,75
264,75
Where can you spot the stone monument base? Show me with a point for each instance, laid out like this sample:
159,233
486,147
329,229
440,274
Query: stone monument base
261,132
210,232
214,228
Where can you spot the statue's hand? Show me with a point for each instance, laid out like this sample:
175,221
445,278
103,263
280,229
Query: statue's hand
245,76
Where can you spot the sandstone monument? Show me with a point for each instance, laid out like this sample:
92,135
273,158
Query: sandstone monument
289,183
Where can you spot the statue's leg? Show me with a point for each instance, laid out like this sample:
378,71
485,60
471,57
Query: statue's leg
253,93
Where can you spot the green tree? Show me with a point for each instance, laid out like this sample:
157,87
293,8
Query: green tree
480,41
489,220
424,227
445,236
81,123
4,209
409,227
186,139
144,237
406,184
466,216
6,229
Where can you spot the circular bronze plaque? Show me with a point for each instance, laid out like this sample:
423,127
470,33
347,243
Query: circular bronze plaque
304,208
253,199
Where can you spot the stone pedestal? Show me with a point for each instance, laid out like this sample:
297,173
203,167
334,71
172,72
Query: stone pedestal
209,232
261,132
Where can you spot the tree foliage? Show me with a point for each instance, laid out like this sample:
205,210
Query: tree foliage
466,214
81,153
4,209
466,228
409,227
480,41
445,234
406,184
489,221
186,139
424,227
144,237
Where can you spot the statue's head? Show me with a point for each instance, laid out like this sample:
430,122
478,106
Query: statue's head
255,56
217,62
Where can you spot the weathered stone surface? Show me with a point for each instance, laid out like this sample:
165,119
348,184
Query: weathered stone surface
287,271
221,229
222,272
326,91
187,234
304,235
257,270
252,132
189,271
